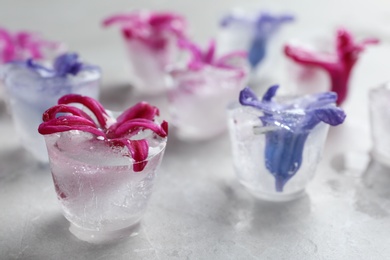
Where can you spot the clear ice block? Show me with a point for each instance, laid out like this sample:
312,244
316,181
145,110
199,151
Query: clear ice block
248,142
30,93
380,123
149,65
198,101
100,194
151,41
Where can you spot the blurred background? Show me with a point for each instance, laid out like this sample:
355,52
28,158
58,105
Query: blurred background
78,22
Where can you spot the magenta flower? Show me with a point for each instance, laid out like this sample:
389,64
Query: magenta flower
149,27
338,65
115,132
23,45
199,59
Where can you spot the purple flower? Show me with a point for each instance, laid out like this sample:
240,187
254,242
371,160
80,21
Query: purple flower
290,124
63,65
264,26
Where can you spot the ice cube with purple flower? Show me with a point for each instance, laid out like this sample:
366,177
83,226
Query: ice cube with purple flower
280,137
32,87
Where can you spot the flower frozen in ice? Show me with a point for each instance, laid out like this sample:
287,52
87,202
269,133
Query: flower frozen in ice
263,25
200,59
151,28
115,132
288,125
22,45
338,65
63,65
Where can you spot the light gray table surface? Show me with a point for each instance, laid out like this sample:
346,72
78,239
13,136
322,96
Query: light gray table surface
198,209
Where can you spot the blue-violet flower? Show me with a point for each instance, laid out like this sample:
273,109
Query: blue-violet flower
63,65
264,26
289,125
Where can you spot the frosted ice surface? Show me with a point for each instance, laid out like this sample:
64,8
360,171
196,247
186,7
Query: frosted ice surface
96,183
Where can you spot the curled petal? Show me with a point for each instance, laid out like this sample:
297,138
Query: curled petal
140,110
52,112
164,126
68,123
138,149
96,108
119,19
134,125
331,115
248,98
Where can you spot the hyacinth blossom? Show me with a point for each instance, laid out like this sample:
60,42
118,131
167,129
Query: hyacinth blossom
264,27
115,132
199,58
63,65
288,125
22,45
338,65
151,28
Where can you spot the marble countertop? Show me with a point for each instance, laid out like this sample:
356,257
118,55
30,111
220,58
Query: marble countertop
198,209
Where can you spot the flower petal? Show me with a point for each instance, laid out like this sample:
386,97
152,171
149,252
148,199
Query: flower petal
331,115
52,112
67,64
68,123
140,110
283,155
248,98
138,149
133,126
96,108
270,93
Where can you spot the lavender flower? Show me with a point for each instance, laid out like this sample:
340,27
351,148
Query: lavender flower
264,26
289,126
63,65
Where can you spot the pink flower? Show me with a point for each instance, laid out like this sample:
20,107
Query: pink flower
338,65
115,132
149,27
23,45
